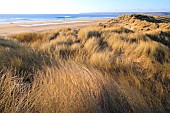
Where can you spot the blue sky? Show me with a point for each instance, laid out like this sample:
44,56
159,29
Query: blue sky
80,6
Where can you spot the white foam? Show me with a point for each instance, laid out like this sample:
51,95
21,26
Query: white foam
48,24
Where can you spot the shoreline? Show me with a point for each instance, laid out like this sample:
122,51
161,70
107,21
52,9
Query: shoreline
15,28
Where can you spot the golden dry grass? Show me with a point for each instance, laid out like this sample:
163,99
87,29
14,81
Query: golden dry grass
74,88
110,69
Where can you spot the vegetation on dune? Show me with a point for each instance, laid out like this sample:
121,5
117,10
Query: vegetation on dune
114,67
140,23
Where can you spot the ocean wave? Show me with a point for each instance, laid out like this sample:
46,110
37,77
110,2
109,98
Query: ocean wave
19,18
63,17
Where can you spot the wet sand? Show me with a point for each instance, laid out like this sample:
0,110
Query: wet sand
14,28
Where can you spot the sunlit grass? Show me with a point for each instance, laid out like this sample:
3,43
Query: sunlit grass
111,69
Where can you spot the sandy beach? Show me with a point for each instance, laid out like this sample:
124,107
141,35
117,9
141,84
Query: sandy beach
14,28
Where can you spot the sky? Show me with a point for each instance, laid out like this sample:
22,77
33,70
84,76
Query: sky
81,6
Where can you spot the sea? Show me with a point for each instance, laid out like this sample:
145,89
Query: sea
18,18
